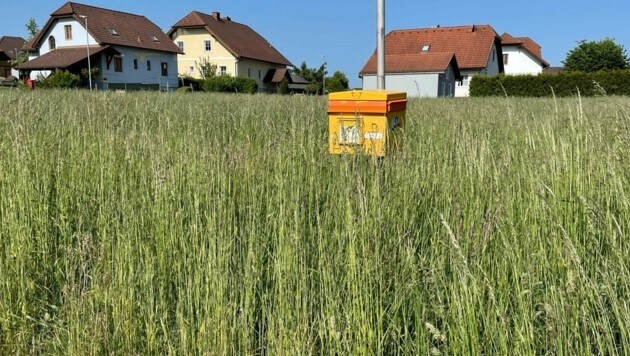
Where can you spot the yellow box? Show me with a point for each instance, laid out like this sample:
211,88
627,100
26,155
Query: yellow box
365,120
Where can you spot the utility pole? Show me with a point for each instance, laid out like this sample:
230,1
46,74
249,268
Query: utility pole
87,45
380,45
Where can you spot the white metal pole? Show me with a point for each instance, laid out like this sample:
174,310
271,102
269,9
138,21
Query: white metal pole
87,45
380,45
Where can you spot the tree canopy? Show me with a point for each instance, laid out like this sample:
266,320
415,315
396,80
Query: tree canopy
338,82
32,29
594,56
314,75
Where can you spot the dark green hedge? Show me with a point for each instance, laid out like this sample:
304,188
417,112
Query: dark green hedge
563,84
190,82
229,84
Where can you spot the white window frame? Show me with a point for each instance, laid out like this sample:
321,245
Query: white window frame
207,46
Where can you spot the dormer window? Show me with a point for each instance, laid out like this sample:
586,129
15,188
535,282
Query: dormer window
425,48
112,31
155,39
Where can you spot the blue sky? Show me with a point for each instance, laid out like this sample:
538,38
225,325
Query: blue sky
344,31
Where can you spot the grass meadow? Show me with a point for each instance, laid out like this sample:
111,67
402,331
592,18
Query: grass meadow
146,223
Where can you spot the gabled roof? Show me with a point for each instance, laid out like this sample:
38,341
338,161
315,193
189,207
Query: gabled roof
62,58
11,45
239,39
296,79
527,43
275,76
414,63
109,27
472,45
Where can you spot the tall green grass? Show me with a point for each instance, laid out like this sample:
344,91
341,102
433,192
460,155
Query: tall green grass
208,224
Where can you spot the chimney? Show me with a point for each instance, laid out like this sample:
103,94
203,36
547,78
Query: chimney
227,19
216,15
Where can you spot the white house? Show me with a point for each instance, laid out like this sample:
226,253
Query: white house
420,75
522,55
477,49
127,50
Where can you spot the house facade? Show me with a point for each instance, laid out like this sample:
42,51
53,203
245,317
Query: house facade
420,75
9,49
235,48
477,49
522,55
126,51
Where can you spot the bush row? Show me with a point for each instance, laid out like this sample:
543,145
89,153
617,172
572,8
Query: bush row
563,84
222,83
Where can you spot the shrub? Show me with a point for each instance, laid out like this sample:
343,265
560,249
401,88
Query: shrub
564,84
229,84
284,87
183,90
61,79
190,82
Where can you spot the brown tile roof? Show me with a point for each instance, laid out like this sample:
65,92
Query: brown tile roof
109,27
471,44
279,74
239,39
9,44
414,63
62,58
530,45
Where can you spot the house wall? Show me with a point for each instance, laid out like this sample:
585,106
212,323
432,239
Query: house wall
415,84
250,68
462,89
194,49
142,75
5,68
57,30
446,83
520,61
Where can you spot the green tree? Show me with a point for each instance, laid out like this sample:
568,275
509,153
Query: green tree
32,29
594,56
206,68
338,82
314,75
284,87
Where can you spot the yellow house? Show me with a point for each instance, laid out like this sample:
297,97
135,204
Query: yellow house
234,48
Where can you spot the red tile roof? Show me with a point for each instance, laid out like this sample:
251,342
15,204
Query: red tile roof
239,39
62,58
414,63
472,45
109,27
530,45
